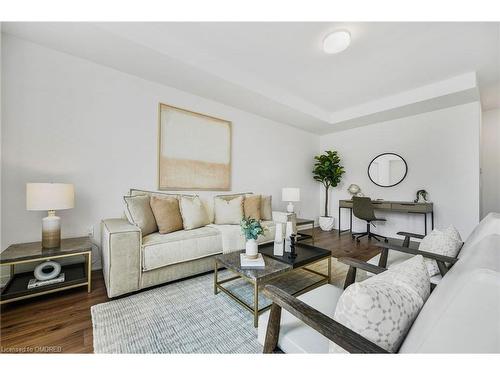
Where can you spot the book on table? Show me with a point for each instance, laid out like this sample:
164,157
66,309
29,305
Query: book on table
252,263
34,283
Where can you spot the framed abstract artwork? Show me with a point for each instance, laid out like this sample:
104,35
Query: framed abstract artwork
194,150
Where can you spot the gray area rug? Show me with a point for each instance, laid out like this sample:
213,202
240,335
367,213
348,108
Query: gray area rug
186,317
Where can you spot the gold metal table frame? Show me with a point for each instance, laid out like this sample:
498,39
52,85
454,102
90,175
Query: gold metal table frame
257,284
88,271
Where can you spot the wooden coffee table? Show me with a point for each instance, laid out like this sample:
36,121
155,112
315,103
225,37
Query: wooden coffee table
276,266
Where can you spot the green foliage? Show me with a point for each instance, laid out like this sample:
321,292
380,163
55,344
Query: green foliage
251,228
328,171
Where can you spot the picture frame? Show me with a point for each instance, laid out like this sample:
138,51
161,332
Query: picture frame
194,150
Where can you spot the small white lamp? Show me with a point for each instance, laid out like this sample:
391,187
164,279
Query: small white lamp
50,197
290,195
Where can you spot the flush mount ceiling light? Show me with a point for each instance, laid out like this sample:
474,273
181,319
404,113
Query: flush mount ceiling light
336,42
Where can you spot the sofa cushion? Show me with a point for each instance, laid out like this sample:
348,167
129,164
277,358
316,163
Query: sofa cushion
167,213
489,225
193,212
296,336
481,314
383,307
444,242
251,206
159,250
138,211
266,209
228,211
466,321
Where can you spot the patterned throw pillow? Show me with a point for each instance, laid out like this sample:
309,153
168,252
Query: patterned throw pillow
444,242
411,273
193,212
228,211
138,212
383,307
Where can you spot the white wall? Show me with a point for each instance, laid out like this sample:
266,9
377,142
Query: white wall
490,162
69,120
441,149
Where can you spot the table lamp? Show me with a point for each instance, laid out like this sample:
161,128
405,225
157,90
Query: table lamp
50,197
290,195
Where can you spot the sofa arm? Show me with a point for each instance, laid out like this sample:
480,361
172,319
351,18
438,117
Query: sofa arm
121,256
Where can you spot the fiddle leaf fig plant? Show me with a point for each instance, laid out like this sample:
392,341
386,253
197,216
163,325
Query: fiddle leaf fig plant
328,171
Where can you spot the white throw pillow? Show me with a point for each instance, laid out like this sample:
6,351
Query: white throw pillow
228,211
139,212
383,307
447,242
193,212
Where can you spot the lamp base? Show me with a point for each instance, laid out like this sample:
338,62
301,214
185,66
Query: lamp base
290,207
51,231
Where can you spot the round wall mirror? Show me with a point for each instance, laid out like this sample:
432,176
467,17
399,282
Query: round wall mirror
387,169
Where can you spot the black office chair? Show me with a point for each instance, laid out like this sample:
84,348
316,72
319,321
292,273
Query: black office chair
362,208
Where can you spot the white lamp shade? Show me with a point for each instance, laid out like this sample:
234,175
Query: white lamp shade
49,197
290,194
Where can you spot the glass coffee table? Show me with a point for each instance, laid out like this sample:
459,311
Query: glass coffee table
275,267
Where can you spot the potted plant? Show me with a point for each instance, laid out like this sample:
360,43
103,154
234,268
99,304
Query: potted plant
251,229
328,171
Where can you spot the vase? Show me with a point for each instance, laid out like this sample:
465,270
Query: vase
326,223
251,249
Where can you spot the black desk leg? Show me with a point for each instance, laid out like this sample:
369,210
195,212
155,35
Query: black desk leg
340,230
350,224
432,220
425,222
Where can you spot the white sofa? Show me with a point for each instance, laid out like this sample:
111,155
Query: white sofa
460,316
133,262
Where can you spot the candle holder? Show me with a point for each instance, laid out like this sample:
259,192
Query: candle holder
292,254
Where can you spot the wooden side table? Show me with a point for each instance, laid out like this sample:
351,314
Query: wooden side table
76,275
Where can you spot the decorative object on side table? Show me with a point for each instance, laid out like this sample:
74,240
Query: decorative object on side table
421,196
47,270
328,171
251,229
290,195
50,197
355,190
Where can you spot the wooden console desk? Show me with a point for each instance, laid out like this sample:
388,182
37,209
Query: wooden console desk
393,206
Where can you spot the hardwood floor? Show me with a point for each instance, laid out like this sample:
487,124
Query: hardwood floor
62,322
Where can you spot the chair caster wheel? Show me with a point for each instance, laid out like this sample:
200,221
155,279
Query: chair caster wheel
386,240
352,237
358,240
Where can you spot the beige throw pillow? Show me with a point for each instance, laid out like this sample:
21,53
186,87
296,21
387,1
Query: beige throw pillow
228,211
266,210
167,214
193,212
251,206
138,211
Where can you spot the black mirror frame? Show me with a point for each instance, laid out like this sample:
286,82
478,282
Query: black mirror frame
388,153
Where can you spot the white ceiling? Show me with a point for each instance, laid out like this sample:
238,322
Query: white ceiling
278,70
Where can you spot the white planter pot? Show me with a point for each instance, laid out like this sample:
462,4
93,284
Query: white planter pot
251,249
326,223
